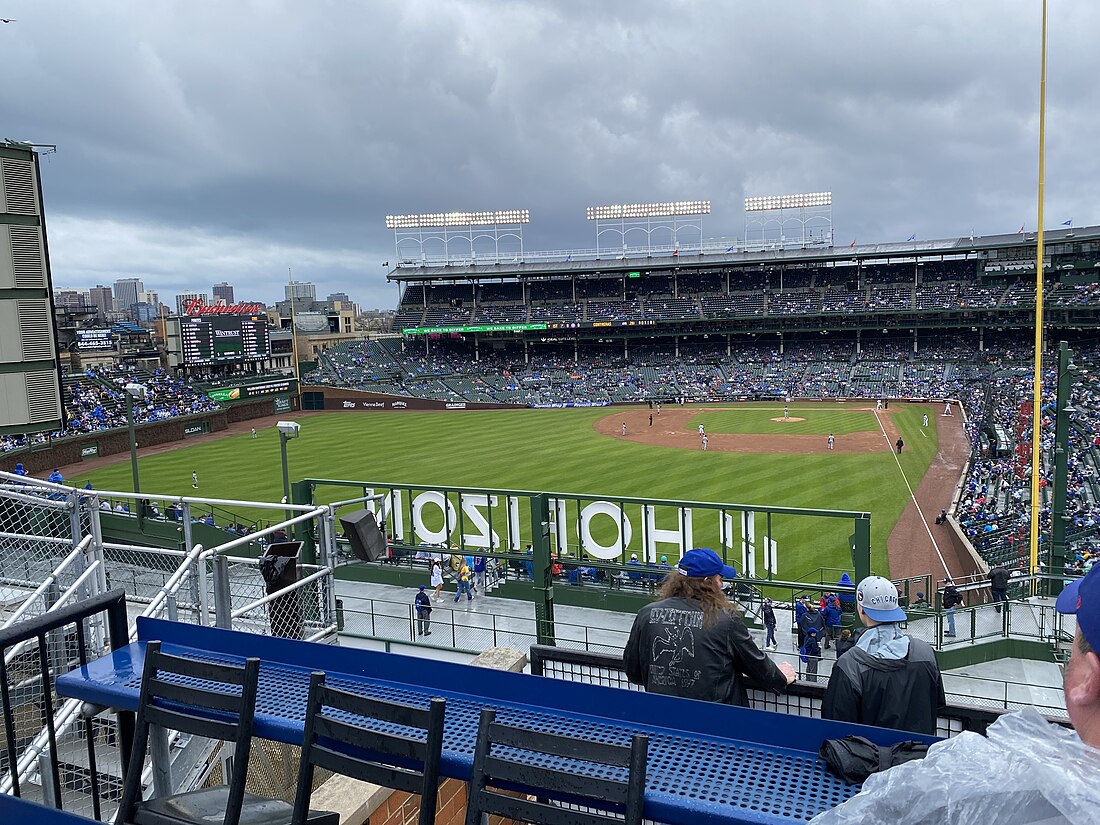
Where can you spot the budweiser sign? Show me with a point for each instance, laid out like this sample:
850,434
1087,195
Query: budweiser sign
197,307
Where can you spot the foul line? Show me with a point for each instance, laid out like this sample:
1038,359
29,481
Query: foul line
912,495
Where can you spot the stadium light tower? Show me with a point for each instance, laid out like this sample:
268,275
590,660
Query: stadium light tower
469,227
624,218
810,211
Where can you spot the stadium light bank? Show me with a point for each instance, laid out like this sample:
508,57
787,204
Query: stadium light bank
768,215
432,233
624,219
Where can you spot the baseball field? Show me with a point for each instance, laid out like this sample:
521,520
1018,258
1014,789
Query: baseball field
754,456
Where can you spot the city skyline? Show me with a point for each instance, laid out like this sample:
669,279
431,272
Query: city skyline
927,128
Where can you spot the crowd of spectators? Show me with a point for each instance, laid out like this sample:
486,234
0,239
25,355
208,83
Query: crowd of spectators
993,386
95,400
937,287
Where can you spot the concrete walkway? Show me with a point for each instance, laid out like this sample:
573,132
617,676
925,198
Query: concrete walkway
461,630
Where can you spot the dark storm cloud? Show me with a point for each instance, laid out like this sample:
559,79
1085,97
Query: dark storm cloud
204,141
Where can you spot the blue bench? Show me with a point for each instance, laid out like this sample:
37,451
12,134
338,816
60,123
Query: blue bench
708,763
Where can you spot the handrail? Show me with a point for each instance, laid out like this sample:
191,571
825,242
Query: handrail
314,511
50,579
114,603
290,588
11,491
973,717
48,622
61,601
174,581
27,481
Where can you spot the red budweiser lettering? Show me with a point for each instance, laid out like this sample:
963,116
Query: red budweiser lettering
197,307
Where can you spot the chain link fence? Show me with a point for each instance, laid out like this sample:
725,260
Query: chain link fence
40,524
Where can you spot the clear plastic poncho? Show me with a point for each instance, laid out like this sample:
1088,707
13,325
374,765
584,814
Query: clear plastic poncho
1025,770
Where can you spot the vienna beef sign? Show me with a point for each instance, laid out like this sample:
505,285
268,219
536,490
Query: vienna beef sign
197,307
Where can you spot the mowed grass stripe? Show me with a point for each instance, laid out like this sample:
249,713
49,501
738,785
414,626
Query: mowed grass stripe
555,450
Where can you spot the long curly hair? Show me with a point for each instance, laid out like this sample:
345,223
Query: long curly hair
714,601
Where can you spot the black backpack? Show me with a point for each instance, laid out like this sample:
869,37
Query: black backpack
854,758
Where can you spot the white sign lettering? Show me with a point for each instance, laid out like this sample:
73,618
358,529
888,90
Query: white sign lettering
624,531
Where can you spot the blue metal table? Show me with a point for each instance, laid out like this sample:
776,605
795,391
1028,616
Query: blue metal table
707,762
22,812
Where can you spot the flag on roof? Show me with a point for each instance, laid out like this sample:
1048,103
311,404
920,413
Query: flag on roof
912,237
1068,223
852,245
729,249
1021,232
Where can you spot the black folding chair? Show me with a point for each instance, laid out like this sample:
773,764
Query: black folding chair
510,761
343,735
173,688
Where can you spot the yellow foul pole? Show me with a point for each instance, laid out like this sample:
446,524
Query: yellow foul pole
1037,384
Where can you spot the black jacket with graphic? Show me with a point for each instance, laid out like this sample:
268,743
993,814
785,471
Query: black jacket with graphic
671,652
905,694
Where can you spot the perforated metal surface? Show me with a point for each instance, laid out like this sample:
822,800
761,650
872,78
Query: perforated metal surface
713,777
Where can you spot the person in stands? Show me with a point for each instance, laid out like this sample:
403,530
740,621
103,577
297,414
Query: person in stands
888,679
693,643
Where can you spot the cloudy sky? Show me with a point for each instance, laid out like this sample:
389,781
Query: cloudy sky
208,140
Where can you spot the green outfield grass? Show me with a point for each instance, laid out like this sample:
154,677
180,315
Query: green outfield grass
758,421
559,450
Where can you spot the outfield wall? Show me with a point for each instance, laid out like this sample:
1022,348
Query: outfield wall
41,458
344,399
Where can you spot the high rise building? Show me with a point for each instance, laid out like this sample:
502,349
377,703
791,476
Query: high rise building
125,293
223,291
102,299
184,298
71,298
149,296
301,291
342,297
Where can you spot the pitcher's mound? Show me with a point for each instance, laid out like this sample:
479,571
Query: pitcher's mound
782,420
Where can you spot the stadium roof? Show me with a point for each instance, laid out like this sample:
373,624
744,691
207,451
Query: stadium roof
541,264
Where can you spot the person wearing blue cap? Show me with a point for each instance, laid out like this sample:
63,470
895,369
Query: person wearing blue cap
423,605
1081,683
888,679
692,643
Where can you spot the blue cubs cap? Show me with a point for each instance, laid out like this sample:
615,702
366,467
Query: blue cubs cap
702,562
422,587
1081,598
878,598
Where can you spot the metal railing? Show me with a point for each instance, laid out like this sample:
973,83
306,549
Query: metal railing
52,550
467,631
800,699
62,641
708,246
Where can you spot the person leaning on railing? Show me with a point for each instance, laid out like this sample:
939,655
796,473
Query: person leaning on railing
693,643
1025,769
888,679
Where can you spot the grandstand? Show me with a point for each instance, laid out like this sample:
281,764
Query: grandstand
940,319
